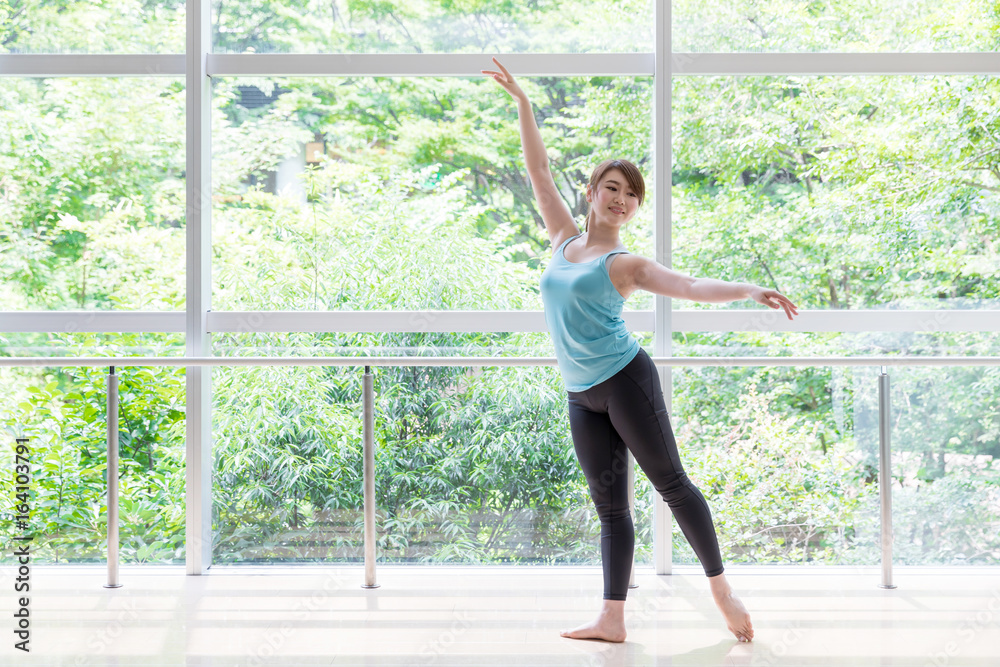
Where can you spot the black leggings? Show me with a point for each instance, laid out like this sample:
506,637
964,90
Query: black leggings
627,411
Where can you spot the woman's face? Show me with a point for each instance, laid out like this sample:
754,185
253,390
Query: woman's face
613,201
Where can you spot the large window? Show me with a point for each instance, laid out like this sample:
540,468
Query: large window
338,179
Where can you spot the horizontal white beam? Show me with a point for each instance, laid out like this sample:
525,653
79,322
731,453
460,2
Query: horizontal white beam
78,64
525,64
429,64
482,321
694,64
487,361
692,321
91,322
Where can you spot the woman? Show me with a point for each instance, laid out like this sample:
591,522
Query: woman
615,401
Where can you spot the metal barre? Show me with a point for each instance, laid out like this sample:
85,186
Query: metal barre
487,361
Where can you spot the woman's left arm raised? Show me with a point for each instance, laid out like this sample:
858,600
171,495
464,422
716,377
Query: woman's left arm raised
646,274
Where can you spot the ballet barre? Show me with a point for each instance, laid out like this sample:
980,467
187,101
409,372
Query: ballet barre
489,361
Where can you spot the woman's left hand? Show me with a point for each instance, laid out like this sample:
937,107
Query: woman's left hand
773,299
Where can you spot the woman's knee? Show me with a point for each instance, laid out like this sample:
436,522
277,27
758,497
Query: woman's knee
676,488
611,513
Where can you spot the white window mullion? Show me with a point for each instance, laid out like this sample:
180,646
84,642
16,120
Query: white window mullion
662,307
198,488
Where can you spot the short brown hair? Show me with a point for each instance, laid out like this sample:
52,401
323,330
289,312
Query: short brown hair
632,175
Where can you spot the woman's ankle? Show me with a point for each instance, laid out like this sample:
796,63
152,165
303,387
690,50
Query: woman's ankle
720,585
615,608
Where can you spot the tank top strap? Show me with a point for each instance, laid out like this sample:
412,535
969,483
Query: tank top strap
620,249
564,243
613,253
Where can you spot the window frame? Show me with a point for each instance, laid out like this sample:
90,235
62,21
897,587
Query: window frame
198,65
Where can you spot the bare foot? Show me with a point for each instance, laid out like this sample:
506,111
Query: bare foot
598,629
608,626
737,616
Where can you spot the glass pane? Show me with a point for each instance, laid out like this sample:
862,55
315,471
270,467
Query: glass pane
841,192
63,413
472,344
92,26
784,458
473,465
433,26
945,465
404,194
841,404
92,199
91,345
833,344
834,25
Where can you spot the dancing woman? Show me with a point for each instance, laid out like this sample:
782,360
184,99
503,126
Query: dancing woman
615,401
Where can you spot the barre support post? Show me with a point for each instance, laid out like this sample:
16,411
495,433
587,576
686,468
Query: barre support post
368,437
885,476
112,481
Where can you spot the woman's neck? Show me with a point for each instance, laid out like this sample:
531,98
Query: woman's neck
598,237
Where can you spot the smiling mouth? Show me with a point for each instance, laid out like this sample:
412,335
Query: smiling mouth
615,209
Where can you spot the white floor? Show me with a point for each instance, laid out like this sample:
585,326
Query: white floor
311,615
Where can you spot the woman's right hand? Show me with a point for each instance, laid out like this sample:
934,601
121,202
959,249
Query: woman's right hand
773,299
505,79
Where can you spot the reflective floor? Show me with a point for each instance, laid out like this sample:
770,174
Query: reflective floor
308,615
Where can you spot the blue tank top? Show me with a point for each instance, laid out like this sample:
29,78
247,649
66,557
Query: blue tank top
583,313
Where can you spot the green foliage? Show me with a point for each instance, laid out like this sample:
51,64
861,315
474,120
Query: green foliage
93,201
435,26
775,498
849,192
794,26
454,465
65,418
92,26
952,521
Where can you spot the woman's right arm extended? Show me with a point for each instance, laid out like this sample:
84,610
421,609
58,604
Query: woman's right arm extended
558,220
